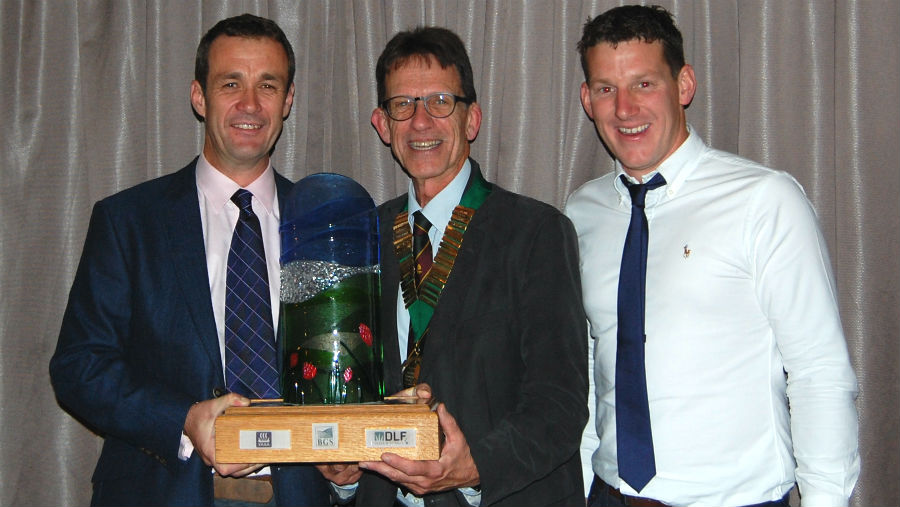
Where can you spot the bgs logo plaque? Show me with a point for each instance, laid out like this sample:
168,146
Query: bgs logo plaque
325,436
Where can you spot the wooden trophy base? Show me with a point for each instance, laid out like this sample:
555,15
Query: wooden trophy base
267,433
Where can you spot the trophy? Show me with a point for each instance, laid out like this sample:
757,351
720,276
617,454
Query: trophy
330,344
330,289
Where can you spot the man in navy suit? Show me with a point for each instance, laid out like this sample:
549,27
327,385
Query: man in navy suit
497,324
141,349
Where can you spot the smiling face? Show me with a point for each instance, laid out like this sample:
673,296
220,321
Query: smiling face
431,150
636,104
246,100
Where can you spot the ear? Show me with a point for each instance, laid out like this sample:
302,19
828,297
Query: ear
198,101
473,121
586,100
380,122
288,102
687,85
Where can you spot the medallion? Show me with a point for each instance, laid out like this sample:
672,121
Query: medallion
413,365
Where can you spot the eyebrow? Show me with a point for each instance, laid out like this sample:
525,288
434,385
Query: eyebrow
266,76
638,76
271,77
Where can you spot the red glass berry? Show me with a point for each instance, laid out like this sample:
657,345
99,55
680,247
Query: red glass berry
366,334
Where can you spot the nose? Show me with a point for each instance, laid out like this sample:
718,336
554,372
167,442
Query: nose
249,101
625,105
420,118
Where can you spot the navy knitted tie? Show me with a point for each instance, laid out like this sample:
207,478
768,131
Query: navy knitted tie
634,440
249,336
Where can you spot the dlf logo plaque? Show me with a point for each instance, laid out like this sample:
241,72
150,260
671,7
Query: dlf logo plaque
400,437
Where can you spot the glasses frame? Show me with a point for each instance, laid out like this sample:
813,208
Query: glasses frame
415,100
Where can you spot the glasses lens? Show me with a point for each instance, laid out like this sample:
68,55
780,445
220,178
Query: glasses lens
401,108
440,105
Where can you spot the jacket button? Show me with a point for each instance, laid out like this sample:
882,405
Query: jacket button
219,392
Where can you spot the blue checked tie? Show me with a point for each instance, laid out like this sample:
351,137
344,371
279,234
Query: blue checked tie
634,440
249,336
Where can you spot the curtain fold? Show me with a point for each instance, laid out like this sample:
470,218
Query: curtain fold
97,100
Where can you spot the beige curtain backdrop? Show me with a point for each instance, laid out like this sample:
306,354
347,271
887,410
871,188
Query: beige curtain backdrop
95,99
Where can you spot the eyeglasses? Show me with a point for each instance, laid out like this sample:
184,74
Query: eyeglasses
438,105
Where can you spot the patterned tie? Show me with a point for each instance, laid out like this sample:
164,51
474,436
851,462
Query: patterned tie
422,253
637,464
421,246
249,336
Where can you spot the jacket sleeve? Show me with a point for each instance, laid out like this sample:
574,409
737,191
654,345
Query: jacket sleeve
102,368
544,429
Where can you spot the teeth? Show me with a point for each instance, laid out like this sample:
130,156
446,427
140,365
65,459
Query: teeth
423,145
635,130
246,126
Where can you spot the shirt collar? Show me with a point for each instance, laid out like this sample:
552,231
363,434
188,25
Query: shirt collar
441,206
675,169
218,188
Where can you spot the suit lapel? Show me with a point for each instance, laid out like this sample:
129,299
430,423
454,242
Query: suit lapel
283,187
447,315
452,302
390,276
184,232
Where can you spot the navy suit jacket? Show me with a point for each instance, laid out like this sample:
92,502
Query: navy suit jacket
506,352
138,346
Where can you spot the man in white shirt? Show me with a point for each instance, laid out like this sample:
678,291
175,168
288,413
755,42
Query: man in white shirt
144,356
746,380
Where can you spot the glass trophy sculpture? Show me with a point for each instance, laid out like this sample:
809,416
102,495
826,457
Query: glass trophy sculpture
330,291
